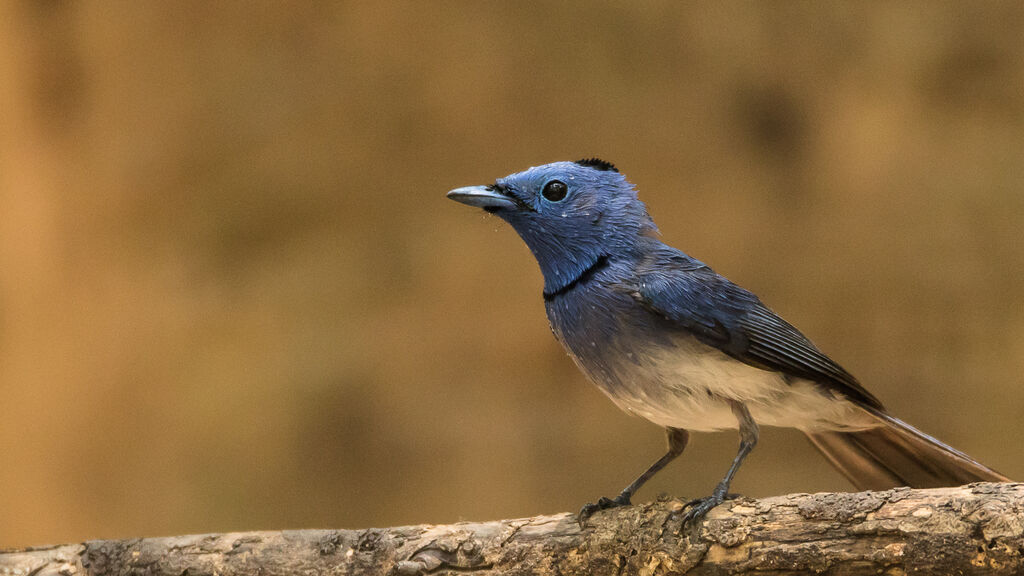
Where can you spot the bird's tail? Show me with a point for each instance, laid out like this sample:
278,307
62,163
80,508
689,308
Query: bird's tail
897,454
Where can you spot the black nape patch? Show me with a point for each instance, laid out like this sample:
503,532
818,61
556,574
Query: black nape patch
598,164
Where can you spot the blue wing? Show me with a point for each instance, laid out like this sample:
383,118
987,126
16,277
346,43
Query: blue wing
692,297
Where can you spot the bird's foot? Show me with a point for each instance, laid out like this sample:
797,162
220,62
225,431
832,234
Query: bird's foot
697,508
603,504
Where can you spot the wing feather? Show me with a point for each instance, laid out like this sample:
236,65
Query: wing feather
694,298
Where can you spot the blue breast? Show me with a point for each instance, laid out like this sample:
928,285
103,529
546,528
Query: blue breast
605,329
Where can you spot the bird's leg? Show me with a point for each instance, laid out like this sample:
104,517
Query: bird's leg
748,439
677,439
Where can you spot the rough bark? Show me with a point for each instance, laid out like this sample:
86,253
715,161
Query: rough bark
974,529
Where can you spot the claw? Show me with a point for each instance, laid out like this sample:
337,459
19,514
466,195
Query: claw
590,508
699,507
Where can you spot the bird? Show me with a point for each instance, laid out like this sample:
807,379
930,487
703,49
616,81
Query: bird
667,338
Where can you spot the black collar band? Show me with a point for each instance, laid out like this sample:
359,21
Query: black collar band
600,264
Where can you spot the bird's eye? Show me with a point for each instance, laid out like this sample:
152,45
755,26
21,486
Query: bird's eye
555,190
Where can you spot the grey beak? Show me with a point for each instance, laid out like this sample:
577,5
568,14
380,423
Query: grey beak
481,197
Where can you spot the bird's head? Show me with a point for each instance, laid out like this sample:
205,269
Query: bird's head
570,214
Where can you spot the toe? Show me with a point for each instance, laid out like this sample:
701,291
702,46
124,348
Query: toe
697,509
604,503
585,513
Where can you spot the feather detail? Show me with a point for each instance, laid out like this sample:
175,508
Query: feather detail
598,164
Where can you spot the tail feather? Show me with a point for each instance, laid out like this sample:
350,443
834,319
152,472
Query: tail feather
897,454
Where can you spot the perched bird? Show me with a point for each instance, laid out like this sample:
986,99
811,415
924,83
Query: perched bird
667,338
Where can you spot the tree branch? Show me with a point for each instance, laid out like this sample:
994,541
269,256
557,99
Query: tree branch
974,529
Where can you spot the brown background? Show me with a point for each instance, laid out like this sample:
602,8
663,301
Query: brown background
233,296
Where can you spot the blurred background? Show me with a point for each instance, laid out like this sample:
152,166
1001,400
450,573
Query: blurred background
234,297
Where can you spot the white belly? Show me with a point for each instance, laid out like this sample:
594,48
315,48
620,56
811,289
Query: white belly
690,384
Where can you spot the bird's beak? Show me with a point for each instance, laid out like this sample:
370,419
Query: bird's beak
482,197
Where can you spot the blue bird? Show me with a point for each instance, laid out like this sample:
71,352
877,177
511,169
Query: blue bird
668,339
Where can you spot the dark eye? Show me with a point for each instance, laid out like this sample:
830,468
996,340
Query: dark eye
555,190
